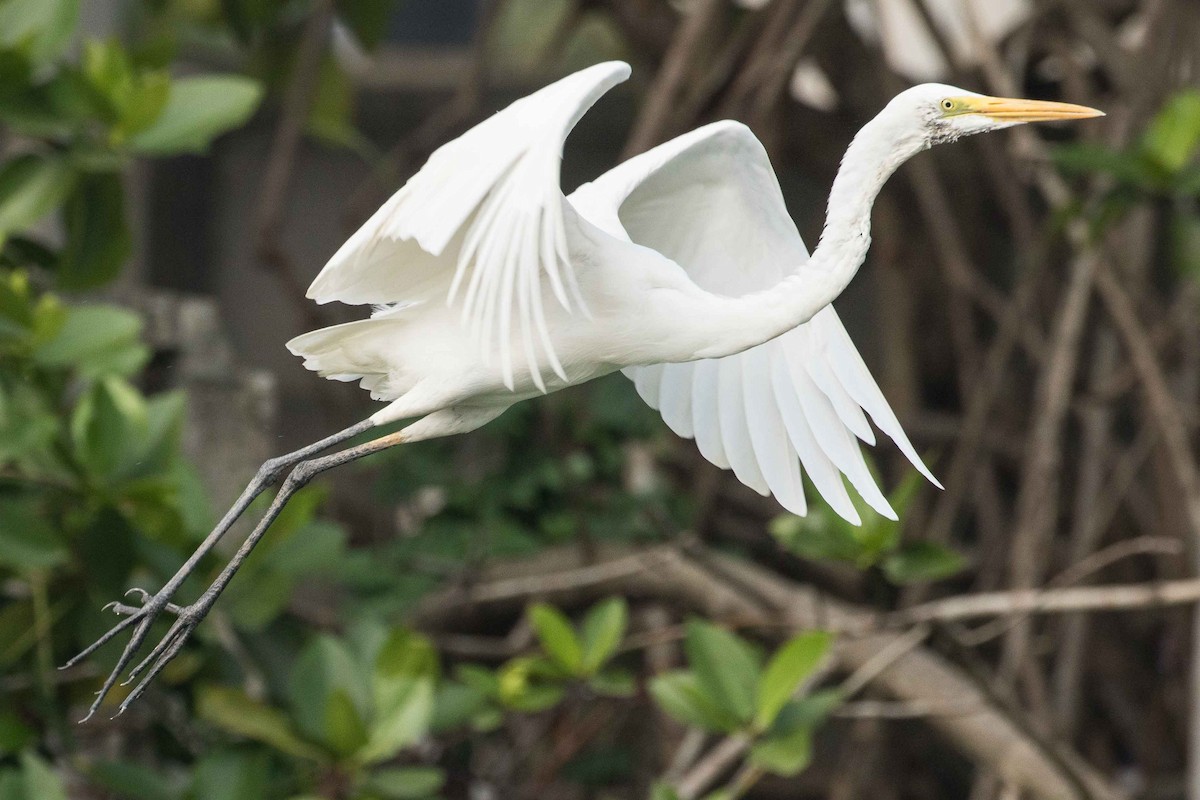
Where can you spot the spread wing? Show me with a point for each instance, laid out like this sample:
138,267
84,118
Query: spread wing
710,201
481,225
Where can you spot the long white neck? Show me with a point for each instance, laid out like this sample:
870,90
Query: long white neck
755,318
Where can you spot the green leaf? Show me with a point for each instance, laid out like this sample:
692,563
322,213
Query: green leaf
16,631
406,668
14,734
98,239
258,605
785,755
530,683
479,678
1174,135
234,712
921,562
232,775
106,426
245,17
131,781
818,536
11,785
535,698
791,665
557,637
807,712
726,667
602,630
367,19
402,722
94,339
28,427
41,28
148,99
316,547
21,252
403,656
109,71
164,424
30,188
40,780
662,791
323,667
1087,158
198,110
681,695
455,705
331,117
344,729
407,783
16,301
27,541
613,683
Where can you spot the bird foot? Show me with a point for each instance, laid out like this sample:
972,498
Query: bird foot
140,618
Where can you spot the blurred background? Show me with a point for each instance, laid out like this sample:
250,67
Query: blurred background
572,603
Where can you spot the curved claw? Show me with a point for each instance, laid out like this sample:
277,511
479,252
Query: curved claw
146,615
117,607
158,657
167,654
122,609
103,640
177,629
141,618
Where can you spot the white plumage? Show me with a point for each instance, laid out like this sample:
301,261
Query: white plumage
680,267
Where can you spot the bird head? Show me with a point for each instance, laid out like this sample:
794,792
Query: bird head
945,113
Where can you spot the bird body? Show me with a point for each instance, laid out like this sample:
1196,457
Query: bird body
680,268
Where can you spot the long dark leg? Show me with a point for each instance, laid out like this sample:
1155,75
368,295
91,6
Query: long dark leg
144,616
191,616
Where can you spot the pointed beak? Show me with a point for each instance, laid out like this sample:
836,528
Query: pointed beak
1012,110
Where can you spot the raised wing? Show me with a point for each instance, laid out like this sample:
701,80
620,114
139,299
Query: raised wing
710,201
481,225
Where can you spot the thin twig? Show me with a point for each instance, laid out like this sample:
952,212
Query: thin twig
1051,601
712,765
1037,499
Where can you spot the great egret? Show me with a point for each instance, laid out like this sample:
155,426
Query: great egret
679,267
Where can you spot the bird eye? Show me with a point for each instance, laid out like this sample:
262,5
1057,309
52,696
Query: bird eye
948,105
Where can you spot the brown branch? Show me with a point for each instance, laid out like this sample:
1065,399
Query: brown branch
1037,498
712,765
1052,601
297,103
756,596
1173,432
1166,414
692,35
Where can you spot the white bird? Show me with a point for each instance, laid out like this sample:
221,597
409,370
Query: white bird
680,267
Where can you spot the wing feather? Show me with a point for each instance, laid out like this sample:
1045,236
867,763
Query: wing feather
821,471
774,452
706,420
483,225
710,202
735,431
675,398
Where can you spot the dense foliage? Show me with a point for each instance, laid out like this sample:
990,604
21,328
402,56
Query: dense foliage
315,676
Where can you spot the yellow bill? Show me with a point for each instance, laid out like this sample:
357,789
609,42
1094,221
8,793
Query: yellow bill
1015,110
